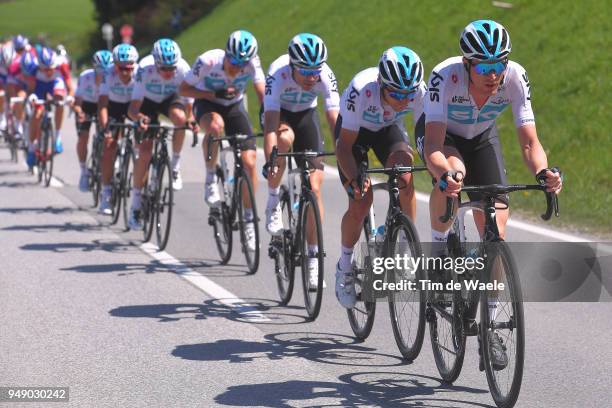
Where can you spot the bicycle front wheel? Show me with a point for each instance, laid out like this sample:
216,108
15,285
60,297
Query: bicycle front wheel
248,226
220,219
163,203
281,249
95,180
147,198
406,307
361,317
507,323
312,254
127,166
116,185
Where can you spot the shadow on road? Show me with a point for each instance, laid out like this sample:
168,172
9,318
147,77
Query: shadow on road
96,245
39,210
384,389
67,226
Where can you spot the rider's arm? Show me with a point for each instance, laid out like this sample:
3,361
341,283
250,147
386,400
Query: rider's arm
259,78
344,153
103,111
134,109
435,132
531,149
332,116
191,91
259,90
271,124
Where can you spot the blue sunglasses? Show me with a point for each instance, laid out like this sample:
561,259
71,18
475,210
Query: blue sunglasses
401,96
309,72
485,69
237,62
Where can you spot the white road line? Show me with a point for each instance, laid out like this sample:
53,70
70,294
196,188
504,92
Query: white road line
247,312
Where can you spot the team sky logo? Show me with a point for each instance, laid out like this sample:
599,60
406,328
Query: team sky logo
467,115
350,101
161,89
527,85
294,96
333,81
121,90
269,80
434,86
197,67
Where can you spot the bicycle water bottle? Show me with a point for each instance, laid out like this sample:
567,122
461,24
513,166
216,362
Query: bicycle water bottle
379,234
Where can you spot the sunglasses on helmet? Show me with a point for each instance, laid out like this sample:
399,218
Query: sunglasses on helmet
497,67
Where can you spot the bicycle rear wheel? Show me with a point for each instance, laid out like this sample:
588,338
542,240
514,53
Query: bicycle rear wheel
509,324
220,219
406,307
361,317
281,248
445,314
245,192
312,294
163,203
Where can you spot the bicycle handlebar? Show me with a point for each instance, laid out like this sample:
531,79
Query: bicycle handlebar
239,137
493,190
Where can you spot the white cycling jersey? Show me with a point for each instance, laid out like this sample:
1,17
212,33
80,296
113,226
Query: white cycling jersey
448,100
361,105
116,90
283,92
87,89
150,84
207,74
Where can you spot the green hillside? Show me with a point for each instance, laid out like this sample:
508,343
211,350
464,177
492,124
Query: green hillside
68,22
564,46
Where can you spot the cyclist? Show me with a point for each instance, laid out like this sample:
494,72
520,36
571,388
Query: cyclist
217,80
372,112
63,66
16,87
290,120
155,91
115,93
6,57
86,107
458,137
47,82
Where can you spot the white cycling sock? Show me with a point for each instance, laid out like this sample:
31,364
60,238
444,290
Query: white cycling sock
313,249
438,242
211,175
176,161
58,134
248,214
83,166
136,196
346,258
273,196
106,189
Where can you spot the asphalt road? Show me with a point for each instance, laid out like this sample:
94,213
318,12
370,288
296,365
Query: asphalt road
85,305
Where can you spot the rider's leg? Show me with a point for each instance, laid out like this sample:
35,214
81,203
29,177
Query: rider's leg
285,140
177,116
141,165
401,155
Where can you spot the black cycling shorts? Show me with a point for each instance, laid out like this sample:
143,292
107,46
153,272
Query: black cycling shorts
234,116
152,109
307,133
90,109
118,111
482,156
380,141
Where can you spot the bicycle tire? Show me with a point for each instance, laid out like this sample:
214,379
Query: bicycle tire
409,348
361,317
449,369
252,257
516,323
219,218
115,198
284,265
95,171
163,204
126,183
312,304
147,197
